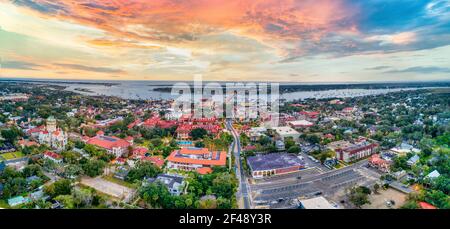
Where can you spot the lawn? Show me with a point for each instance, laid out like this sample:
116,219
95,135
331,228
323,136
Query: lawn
3,204
13,155
119,181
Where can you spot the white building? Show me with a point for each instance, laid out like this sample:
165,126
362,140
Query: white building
285,132
53,136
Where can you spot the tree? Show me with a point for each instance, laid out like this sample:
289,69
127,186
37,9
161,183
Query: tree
60,187
82,197
376,187
31,170
359,196
14,186
66,200
289,142
144,169
157,195
224,185
73,171
10,135
94,168
293,149
207,203
71,157
410,204
198,133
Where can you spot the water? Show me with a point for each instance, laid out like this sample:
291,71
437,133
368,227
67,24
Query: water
144,90
133,90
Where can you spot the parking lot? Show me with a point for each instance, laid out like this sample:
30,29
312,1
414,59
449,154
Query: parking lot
280,192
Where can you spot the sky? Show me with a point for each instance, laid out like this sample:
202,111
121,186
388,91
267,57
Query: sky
226,40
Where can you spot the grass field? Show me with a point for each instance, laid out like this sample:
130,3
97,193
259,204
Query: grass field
3,204
119,181
9,156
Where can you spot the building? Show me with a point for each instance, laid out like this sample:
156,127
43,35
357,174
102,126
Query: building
191,159
264,165
184,130
413,160
316,203
351,151
299,124
404,149
377,162
112,145
433,175
175,184
284,132
53,136
53,157
255,133
17,97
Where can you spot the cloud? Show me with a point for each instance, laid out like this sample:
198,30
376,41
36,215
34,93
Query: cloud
403,38
89,68
22,65
421,70
378,68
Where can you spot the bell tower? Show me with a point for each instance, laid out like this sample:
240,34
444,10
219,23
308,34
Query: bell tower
51,124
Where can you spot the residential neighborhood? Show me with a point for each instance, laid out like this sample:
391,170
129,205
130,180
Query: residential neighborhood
65,150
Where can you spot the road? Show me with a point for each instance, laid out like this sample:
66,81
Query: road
243,185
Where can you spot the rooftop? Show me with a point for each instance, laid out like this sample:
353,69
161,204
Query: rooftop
273,161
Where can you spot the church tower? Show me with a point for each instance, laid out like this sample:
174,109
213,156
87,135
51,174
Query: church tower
51,124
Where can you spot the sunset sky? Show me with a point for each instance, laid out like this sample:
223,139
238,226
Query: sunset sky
267,40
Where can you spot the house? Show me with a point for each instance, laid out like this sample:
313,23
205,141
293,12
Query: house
264,165
121,173
316,203
53,157
255,133
27,143
53,136
404,149
413,160
284,132
174,183
433,175
377,162
112,145
192,158
156,160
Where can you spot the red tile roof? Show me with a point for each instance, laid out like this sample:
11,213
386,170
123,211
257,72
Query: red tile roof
52,155
204,170
209,159
425,205
156,160
108,142
27,143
